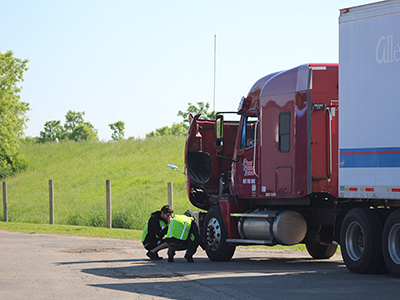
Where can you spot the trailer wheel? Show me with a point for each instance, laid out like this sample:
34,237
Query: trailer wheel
319,251
215,236
391,243
361,241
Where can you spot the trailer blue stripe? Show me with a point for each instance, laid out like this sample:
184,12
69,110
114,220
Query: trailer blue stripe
370,157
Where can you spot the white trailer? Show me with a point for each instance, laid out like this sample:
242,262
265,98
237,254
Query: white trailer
369,137
369,93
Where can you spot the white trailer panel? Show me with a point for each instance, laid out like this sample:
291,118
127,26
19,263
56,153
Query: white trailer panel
369,95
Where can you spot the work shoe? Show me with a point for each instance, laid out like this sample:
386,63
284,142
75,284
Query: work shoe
189,258
170,258
153,256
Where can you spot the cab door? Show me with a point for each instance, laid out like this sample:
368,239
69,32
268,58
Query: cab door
245,173
324,141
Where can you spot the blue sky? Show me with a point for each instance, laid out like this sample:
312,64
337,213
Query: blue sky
141,61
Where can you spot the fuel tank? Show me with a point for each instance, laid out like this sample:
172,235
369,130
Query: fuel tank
283,227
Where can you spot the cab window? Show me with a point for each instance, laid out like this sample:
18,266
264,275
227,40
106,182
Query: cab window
248,132
284,131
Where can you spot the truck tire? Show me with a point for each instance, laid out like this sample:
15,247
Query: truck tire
391,243
319,251
361,241
215,236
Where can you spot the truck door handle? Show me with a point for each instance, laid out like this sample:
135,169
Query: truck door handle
328,109
255,149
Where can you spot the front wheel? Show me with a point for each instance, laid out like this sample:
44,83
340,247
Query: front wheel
391,243
215,235
319,251
361,241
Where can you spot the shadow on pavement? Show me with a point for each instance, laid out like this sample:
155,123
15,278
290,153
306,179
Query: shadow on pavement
98,261
250,278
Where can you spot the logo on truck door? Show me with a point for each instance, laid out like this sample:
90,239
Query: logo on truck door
248,167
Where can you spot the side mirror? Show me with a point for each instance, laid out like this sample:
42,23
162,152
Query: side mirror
219,133
175,168
219,127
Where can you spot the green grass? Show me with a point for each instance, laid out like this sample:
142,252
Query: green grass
137,169
100,232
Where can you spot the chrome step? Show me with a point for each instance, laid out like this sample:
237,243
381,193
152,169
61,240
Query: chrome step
252,215
256,242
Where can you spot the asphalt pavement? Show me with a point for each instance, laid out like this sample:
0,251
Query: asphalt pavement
36,266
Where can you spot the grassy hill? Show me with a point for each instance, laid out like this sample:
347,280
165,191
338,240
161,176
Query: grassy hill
137,169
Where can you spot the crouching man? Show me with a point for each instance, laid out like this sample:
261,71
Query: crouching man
154,231
183,234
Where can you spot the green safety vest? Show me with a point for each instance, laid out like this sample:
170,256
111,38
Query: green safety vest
179,228
146,228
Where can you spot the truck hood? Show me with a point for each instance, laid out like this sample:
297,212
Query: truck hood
198,162
203,167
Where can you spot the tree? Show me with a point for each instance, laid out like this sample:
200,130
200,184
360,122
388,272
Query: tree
12,113
84,132
75,129
53,132
201,108
72,120
175,129
118,129
160,132
182,128
179,129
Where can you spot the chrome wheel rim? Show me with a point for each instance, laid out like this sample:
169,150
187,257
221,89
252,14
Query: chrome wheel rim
355,241
394,243
213,234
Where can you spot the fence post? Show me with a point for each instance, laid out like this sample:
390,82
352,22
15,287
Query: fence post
51,201
5,210
108,198
170,195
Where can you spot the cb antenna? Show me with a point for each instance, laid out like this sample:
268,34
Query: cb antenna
215,67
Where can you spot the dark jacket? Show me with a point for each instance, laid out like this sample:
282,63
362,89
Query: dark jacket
154,229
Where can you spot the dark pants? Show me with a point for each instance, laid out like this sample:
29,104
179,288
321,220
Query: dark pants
152,244
189,245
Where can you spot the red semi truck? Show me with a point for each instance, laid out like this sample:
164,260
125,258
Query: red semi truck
315,156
